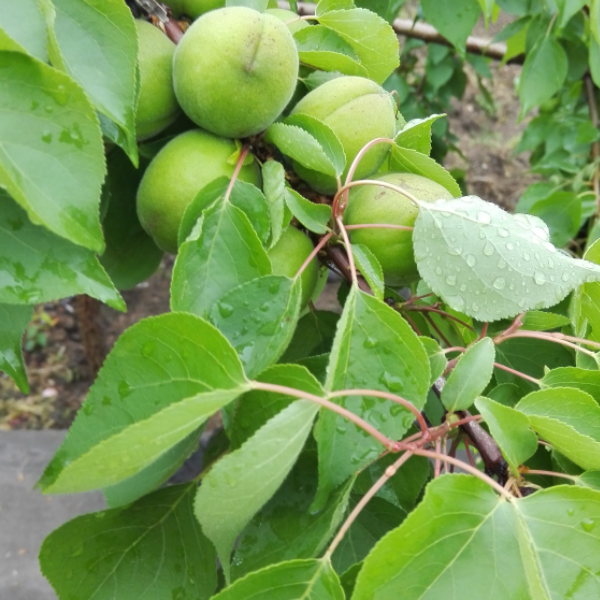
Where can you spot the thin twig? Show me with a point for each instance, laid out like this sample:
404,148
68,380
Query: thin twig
314,253
348,250
238,167
518,373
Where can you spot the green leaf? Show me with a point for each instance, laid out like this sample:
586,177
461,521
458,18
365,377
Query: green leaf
293,580
285,526
464,541
301,146
314,50
259,318
24,23
587,381
226,254
569,419
313,335
586,300
38,266
151,550
595,20
14,320
131,256
544,73
273,175
95,42
507,394
416,134
405,160
51,153
493,265
536,320
470,376
374,349
387,9
437,358
561,211
510,429
253,472
155,474
372,523
256,407
455,20
164,377
595,61
589,479
370,269
325,6
567,9
315,217
372,38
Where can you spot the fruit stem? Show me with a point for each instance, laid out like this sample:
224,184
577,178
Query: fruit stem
518,374
314,253
348,250
238,167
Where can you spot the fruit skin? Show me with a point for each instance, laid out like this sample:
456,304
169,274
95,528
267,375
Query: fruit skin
289,254
235,70
371,204
157,105
357,110
288,17
193,8
174,177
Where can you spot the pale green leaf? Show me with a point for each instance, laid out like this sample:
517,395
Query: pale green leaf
23,22
325,6
151,550
14,320
370,269
315,217
583,379
470,376
273,175
510,429
567,9
589,479
437,358
51,153
489,264
164,377
38,266
252,473
416,134
536,320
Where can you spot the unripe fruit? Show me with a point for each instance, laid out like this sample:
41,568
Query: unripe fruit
393,248
291,19
289,254
157,105
193,8
235,70
174,177
358,111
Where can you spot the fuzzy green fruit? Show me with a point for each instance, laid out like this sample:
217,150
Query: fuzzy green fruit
193,8
174,177
291,19
393,248
235,70
289,254
157,105
358,111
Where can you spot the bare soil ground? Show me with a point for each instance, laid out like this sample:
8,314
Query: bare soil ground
58,374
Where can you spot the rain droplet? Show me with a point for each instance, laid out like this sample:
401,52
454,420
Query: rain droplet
501,264
451,280
149,348
455,251
540,233
571,512
463,287
369,343
565,276
484,217
502,232
539,278
475,307
526,256
225,310
471,260
488,249
510,246
499,283
438,270
46,137
588,525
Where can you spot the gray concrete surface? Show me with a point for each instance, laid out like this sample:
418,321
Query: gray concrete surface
27,517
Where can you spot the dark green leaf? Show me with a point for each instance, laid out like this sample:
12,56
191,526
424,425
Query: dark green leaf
561,211
164,377
314,335
470,376
151,550
507,394
315,217
51,158
370,269
259,318
38,266
253,472
14,320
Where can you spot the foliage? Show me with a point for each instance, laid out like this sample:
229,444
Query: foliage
334,478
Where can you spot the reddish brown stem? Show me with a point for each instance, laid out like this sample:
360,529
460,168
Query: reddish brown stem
314,253
338,257
517,373
238,167
438,311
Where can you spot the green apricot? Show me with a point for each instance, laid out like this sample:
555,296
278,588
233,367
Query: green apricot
289,254
157,105
235,70
193,8
288,17
393,248
357,110
174,177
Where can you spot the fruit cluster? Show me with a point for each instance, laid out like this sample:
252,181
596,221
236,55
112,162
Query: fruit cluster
233,74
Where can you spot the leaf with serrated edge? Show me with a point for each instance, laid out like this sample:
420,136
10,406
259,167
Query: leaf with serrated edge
150,550
537,320
161,381
374,348
51,153
369,268
583,379
416,134
510,428
254,472
273,175
372,38
37,266
569,419
313,216
489,264
470,376
95,42
259,318
437,358
294,580
226,254
14,320
463,541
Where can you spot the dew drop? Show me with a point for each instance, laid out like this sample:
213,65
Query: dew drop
482,235
471,260
499,283
503,232
540,233
149,348
438,270
46,137
501,264
588,525
488,249
475,307
571,512
565,276
463,287
225,310
369,343
451,280
455,251
539,278
510,246
526,256
484,217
